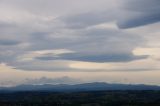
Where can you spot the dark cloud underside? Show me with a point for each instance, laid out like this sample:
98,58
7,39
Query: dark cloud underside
139,13
48,35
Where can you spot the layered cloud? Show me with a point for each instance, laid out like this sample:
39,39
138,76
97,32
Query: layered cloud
50,36
139,13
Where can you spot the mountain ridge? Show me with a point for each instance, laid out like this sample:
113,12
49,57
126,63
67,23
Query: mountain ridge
95,86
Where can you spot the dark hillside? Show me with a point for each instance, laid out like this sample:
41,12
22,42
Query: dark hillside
96,98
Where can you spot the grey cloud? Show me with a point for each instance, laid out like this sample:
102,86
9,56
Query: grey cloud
5,42
104,58
4,25
90,45
58,7
139,13
47,58
41,65
95,58
100,45
73,32
142,5
88,19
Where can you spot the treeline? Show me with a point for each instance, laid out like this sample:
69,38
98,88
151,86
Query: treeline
97,98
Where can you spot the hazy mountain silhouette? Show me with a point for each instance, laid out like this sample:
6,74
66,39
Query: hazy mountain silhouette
96,86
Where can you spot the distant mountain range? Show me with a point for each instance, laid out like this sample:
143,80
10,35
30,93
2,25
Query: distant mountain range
96,86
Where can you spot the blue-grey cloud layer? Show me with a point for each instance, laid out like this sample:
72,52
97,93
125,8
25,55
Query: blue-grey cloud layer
95,58
139,13
28,30
6,42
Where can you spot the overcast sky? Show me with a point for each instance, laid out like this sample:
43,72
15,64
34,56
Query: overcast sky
100,40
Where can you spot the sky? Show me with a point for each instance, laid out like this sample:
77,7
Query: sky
78,41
